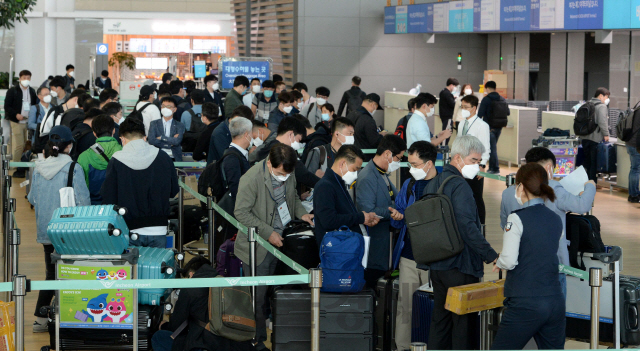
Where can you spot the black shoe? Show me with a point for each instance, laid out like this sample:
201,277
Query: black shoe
19,174
633,199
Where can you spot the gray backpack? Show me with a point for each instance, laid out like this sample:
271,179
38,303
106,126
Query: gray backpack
432,227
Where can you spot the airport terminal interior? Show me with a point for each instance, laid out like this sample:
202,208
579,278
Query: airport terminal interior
334,119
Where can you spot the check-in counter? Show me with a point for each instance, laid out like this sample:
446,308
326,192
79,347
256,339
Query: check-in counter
395,107
558,119
623,165
515,139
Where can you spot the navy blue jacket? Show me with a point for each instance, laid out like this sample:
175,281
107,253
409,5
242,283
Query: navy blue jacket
484,110
333,206
476,248
234,167
275,117
403,248
179,110
220,141
217,99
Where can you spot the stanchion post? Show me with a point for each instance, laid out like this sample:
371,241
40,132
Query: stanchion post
19,292
8,258
251,233
595,281
511,179
315,283
179,238
418,346
212,231
15,241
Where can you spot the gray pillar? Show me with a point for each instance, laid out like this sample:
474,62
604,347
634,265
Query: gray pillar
521,84
508,63
635,67
619,70
493,51
575,68
558,66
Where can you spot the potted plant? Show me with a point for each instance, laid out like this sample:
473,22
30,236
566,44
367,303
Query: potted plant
120,59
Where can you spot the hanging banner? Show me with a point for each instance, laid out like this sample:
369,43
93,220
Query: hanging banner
418,18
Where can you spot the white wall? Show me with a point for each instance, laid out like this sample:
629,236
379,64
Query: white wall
338,39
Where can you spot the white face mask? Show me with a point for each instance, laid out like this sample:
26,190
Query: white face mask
607,101
280,178
349,177
393,165
288,109
256,89
53,93
348,139
321,101
257,142
431,112
72,73
155,95
76,106
470,171
419,173
465,114
47,99
120,120
295,144
518,198
166,112
216,86
468,92
25,83
300,104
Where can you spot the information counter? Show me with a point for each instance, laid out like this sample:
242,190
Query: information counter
623,165
558,119
516,138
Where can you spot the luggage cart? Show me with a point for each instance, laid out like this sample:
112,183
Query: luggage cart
565,150
105,319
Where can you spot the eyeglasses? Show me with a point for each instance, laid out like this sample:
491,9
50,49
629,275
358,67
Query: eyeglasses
417,165
398,158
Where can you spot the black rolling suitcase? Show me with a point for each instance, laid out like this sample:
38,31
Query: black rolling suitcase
583,232
421,312
299,244
385,313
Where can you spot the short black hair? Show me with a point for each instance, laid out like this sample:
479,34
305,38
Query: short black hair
24,72
452,81
103,125
164,89
296,95
190,85
285,97
50,78
277,78
254,79
602,91
299,86
324,91
82,99
356,80
471,100
329,107
349,152
112,108
210,77
424,98
241,80
93,113
132,127
242,111
194,265
57,82
90,104
258,124
40,90
197,96
411,104
268,84
538,154
108,94
490,85
166,76
69,66
393,143
424,150
104,73
340,123
77,93
290,123
168,99
175,86
305,121
210,111
283,155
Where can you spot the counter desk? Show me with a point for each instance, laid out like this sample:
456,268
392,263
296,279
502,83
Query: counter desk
558,119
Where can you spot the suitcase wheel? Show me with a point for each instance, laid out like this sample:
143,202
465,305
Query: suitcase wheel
45,348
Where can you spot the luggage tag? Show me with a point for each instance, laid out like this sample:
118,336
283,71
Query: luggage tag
283,211
26,106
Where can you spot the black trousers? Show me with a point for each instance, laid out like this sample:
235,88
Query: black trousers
590,149
477,186
45,296
450,331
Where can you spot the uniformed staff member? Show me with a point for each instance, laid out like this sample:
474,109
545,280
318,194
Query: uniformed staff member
535,305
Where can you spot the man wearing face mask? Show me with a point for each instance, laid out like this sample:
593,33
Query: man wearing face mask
210,120
313,110
422,158
260,135
235,161
58,95
322,157
167,133
265,102
145,106
590,142
69,79
114,110
417,127
221,136
102,82
367,134
565,202
234,97
297,101
212,92
254,89
450,331
267,199
332,204
473,125
17,105
375,193
284,109
447,103
141,178
178,93
37,112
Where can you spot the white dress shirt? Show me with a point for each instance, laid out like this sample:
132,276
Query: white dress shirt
244,152
479,129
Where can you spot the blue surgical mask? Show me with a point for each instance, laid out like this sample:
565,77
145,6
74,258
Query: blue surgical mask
268,93
325,117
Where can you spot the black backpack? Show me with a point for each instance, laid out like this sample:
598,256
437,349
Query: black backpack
354,101
499,117
315,141
585,121
190,138
212,181
401,129
41,140
624,127
583,232
137,114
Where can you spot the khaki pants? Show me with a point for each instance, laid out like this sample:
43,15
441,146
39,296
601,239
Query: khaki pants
18,139
411,278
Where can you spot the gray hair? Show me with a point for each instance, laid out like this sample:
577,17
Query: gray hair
466,145
240,125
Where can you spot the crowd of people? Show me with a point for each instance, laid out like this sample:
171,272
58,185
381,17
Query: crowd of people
273,146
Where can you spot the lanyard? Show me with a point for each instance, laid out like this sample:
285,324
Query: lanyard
467,121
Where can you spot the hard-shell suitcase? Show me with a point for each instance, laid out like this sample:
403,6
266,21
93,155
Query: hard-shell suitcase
385,313
630,305
607,158
421,312
299,244
89,230
155,263
346,321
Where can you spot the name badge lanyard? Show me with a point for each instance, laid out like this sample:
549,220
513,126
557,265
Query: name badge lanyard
286,218
351,201
468,129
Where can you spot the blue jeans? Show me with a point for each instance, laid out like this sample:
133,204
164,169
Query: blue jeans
150,241
634,172
494,164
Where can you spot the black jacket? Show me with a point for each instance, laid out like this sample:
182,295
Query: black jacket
72,117
179,110
202,145
234,167
13,103
303,176
105,85
484,110
345,98
217,100
84,139
446,103
144,193
366,131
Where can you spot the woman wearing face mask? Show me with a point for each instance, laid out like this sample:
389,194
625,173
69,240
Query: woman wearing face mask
534,300
51,175
466,89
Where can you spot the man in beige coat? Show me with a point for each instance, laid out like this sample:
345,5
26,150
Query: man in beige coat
267,200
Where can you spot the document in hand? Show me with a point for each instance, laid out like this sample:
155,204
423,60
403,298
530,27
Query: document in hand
574,182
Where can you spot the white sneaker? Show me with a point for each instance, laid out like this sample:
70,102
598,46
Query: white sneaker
40,328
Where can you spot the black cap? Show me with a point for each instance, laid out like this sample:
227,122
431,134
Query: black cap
375,98
147,90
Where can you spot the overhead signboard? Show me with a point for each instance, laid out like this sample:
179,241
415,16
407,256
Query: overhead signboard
250,67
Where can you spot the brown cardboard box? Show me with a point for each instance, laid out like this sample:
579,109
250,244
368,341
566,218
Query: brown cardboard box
475,297
502,92
497,76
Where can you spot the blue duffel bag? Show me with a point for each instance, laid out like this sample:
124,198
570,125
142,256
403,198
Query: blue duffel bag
341,254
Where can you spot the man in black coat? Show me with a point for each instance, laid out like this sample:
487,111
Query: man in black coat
447,103
17,104
367,134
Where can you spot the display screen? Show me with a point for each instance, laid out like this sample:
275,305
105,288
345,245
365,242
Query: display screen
159,63
140,45
205,46
170,45
250,69
143,63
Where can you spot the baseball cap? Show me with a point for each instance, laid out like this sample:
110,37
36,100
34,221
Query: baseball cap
60,134
375,98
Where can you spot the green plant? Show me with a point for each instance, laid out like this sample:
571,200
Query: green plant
14,10
120,59
4,80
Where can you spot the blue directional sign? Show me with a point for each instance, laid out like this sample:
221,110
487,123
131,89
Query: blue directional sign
102,49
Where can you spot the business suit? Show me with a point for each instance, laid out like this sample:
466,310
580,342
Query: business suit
156,129
216,99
